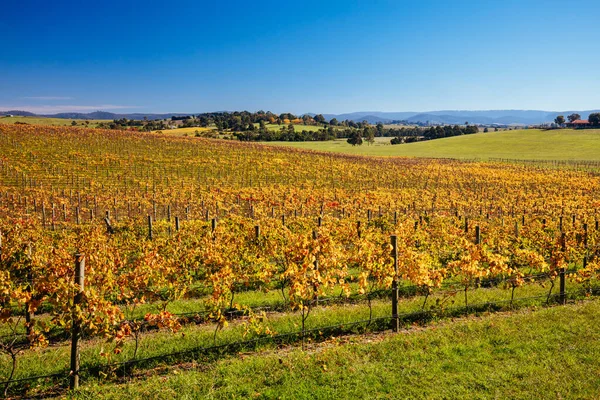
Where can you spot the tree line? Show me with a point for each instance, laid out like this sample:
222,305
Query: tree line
407,135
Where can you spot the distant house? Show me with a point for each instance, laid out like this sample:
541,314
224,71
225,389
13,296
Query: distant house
579,123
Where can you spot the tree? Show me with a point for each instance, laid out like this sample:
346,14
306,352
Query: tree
334,122
369,134
573,117
356,138
594,119
379,128
320,119
486,130
560,120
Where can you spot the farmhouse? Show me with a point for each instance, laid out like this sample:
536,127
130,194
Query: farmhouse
579,123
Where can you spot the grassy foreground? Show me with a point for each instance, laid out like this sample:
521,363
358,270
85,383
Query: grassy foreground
550,353
532,144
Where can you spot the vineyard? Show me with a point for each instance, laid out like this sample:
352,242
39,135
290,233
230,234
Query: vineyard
121,251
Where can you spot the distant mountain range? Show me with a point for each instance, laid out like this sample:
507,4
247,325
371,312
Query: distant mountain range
500,117
95,115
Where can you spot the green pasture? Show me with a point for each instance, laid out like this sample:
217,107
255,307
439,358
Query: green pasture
528,144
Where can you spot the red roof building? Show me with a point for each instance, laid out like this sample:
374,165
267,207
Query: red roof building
579,123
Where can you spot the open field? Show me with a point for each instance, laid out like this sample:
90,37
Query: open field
51,121
566,144
551,353
297,128
191,131
199,249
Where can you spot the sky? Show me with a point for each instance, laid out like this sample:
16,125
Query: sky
299,56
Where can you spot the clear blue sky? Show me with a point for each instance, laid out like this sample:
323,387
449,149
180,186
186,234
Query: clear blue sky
311,56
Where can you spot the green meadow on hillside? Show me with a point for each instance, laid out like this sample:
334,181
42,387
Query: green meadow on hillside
533,144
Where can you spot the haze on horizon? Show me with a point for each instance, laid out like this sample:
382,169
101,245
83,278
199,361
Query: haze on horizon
324,57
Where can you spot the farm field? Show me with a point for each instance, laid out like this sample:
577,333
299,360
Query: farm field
566,144
195,250
521,355
183,131
50,121
297,128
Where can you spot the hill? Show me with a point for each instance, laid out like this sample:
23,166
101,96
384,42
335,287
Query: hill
531,144
484,117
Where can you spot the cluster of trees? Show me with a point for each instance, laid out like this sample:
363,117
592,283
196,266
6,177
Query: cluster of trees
242,121
286,134
407,135
594,119
355,136
134,124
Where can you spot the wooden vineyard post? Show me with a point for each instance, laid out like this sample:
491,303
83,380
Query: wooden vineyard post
177,224
477,235
150,227
315,236
560,223
76,324
561,274
358,231
213,225
585,244
257,231
395,320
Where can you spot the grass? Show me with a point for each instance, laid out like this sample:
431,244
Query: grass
549,353
565,144
54,359
50,121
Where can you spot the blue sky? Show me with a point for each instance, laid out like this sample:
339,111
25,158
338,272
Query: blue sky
299,56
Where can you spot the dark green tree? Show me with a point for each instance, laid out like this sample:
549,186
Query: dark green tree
594,119
356,138
369,134
319,118
559,120
574,117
